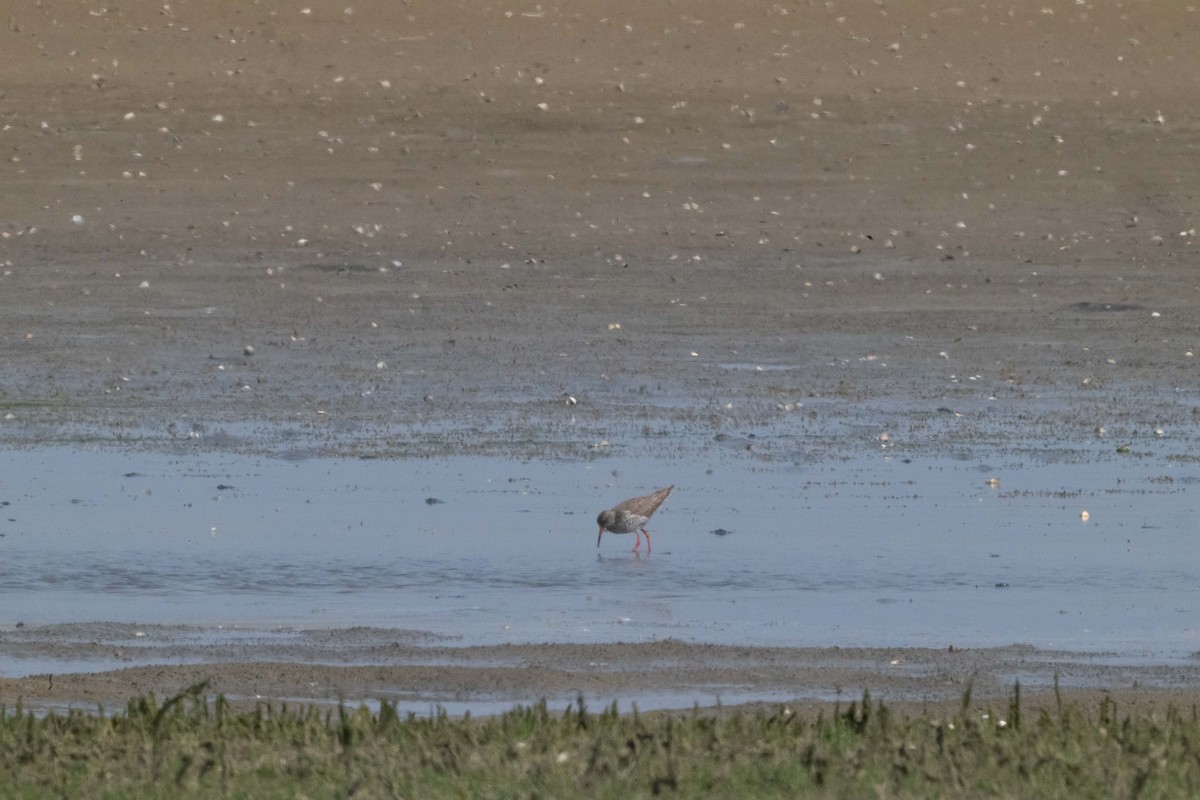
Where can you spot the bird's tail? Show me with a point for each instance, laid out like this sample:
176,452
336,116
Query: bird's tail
657,498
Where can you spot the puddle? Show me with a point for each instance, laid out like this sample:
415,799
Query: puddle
429,707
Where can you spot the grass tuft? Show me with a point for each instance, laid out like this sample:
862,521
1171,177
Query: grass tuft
194,746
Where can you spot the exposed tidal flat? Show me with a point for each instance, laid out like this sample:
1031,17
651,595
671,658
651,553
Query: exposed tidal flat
326,332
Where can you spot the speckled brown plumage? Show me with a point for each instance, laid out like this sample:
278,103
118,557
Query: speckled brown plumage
631,516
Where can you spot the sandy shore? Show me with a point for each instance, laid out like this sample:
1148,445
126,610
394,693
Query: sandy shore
560,229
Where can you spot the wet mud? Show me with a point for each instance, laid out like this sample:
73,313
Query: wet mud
782,234
404,668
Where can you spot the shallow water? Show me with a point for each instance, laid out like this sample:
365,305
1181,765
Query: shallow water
869,550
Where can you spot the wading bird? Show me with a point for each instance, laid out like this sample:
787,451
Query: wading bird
632,516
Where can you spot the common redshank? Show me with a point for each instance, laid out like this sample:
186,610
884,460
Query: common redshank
632,516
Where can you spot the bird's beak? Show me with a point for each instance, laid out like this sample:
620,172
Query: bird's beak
598,535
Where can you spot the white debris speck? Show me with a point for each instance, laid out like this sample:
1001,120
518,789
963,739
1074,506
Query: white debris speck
218,118
248,349
614,326
144,285
130,115
77,219
543,106
380,365
562,757
1084,516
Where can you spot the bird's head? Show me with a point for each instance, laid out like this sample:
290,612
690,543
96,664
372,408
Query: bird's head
606,518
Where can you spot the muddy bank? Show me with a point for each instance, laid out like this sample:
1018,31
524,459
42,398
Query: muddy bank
363,665
785,233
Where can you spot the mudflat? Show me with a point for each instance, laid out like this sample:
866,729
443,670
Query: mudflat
570,230
370,665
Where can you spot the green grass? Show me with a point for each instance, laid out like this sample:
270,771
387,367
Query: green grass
193,746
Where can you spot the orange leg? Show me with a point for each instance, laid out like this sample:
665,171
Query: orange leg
647,540
638,543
